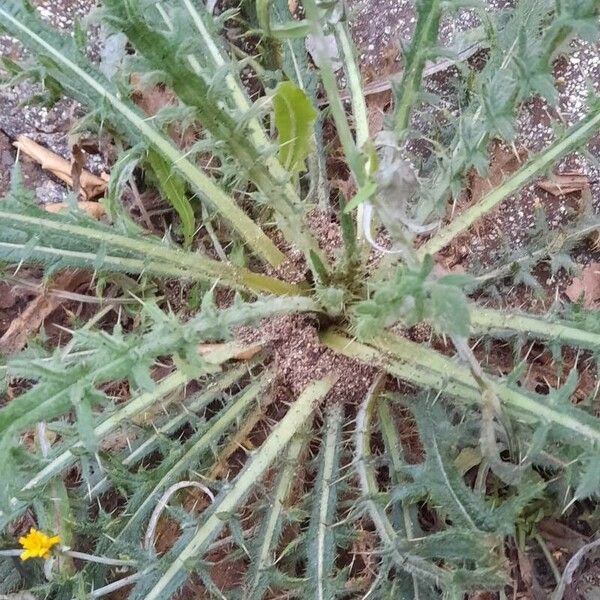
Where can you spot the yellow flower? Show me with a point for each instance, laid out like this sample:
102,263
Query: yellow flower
37,544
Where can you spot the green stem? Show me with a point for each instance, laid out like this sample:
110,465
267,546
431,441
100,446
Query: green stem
549,558
333,94
271,525
322,551
487,320
573,138
424,38
157,257
359,106
425,367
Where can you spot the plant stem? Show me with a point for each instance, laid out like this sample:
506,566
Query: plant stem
423,39
549,558
153,256
487,320
333,94
359,106
573,138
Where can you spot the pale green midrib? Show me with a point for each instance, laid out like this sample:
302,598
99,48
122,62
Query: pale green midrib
333,424
199,402
227,208
131,409
513,183
215,429
516,399
485,319
442,469
429,360
281,492
169,384
414,76
384,527
173,261
228,501
257,134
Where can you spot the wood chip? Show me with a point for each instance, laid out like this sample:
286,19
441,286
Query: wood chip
587,285
90,186
93,209
564,183
32,318
503,162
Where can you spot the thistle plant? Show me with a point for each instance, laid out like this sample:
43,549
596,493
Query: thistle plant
328,500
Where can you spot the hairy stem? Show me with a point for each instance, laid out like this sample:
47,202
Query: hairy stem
572,139
488,320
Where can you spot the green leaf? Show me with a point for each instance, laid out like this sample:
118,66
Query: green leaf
173,187
450,310
233,495
365,193
292,30
295,117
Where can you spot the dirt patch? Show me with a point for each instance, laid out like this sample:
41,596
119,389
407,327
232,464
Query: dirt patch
300,359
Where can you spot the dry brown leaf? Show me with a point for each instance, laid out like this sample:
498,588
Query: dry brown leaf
31,319
152,99
93,209
564,183
90,185
588,285
503,162
376,109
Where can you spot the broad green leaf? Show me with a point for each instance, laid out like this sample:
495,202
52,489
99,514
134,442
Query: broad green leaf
295,118
173,188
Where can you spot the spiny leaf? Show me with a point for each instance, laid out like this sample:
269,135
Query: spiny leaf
231,498
269,533
321,550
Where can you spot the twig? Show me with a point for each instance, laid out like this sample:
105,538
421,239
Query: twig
571,567
549,558
386,84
